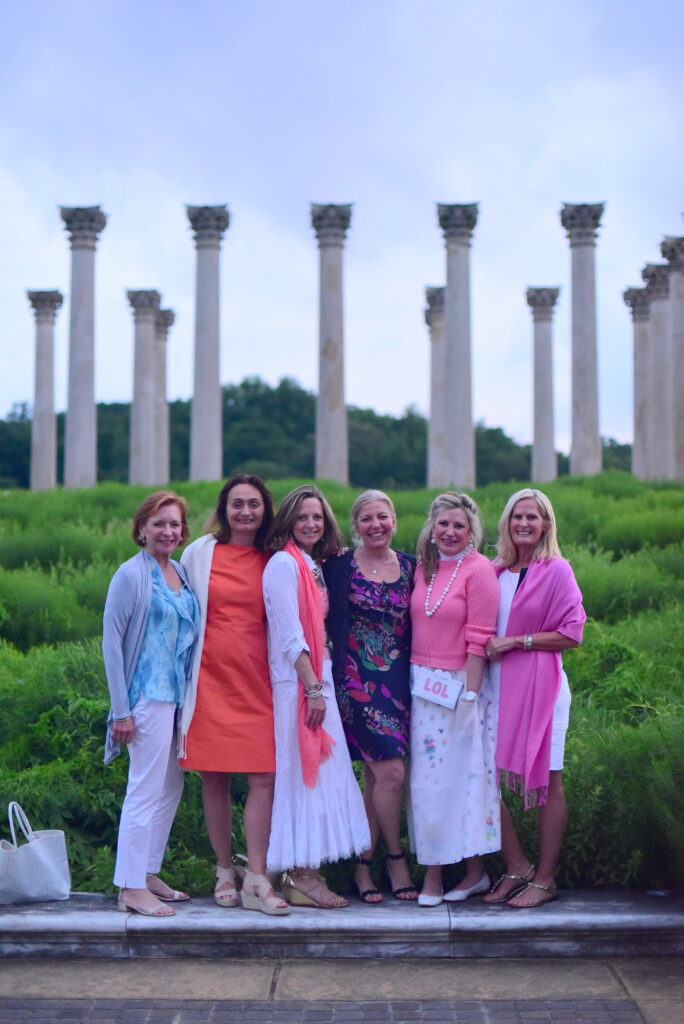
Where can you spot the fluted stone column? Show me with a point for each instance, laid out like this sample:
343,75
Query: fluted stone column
658,370
143,460
544,462
439,440
458,221
581,221
84,223
673,251
330,222
206,420
165,319
43,426
642,446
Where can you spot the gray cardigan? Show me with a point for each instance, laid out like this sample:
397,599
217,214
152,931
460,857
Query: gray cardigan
123,629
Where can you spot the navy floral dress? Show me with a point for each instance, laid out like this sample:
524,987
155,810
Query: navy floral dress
373,686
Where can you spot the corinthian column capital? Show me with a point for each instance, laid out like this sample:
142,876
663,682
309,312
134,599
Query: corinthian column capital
582,221
145,303
657,279
435,305
639,301
84,223
164,322
45,304
541,301
208,224
331,221
673,250
457,221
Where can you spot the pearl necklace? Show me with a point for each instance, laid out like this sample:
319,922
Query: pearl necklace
459,561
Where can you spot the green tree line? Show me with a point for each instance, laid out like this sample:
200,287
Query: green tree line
271,431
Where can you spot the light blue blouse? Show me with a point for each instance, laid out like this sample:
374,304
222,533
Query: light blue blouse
161,670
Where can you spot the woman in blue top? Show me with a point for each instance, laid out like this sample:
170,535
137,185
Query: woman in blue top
149,632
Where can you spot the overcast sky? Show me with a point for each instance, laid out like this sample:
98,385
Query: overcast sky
394,105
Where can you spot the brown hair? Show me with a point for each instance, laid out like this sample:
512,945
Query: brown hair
426,551
218,521
151,505
281,531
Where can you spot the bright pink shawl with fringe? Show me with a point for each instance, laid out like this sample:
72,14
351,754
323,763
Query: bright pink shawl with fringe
548,599
315,745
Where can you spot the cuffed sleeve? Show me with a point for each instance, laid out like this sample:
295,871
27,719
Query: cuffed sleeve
286,636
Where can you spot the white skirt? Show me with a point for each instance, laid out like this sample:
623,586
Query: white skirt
454,799
328,822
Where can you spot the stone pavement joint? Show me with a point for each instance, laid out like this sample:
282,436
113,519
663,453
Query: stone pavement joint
180,1011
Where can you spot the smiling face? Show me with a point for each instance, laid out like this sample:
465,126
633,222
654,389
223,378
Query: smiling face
375,524
451,531
162,531
244,512
526,526
309,524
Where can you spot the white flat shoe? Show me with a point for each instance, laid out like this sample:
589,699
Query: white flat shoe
457,895
424,900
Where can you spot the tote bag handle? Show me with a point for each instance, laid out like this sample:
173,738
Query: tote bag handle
14,810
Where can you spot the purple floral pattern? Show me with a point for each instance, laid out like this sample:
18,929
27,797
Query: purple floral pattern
375,698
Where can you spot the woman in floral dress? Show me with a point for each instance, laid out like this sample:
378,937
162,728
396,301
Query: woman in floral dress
369,626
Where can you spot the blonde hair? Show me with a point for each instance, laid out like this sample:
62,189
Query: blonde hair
363,499
548,544
427,552
281,531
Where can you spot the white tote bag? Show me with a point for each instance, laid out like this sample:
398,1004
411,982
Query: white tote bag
36,870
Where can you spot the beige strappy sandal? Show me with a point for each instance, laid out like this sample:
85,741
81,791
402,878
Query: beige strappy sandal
225,897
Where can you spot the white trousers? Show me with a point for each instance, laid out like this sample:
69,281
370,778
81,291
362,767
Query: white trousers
155,784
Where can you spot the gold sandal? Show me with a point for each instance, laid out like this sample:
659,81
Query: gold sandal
316,898
515,891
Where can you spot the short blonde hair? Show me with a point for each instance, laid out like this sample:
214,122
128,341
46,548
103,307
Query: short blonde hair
548,544
363,499
151,505
427,552
281,531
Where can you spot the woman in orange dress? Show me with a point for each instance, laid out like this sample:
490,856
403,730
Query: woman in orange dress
227,719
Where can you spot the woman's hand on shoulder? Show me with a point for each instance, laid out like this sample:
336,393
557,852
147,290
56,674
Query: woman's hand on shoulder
123,729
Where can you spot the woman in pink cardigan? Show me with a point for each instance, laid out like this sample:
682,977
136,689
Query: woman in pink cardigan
454,806
540,615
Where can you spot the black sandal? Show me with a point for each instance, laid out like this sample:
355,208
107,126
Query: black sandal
365,893
399,893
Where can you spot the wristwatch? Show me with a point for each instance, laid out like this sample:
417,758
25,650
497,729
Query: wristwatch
469,696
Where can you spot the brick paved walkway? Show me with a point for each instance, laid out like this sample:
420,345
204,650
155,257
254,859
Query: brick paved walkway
144,1011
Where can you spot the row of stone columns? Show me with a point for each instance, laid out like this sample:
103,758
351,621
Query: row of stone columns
658,332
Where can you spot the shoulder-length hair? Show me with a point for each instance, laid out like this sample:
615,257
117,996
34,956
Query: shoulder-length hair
427,552
151,505
547,546
281,531
363,499
218,521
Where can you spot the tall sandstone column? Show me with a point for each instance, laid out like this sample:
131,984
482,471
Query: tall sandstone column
143,461
43,426
673,251
438,425
581,221
84,223
206,421
164,322
330,222
658,370
458,221
544,463
642,446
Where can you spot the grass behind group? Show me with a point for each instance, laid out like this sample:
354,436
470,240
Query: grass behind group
624,767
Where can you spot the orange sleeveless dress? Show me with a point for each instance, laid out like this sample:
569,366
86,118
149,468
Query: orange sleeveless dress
232,727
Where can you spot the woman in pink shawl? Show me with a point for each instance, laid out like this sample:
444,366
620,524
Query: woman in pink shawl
318,811
540,615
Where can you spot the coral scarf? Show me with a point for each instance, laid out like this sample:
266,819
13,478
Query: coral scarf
315,745
548,599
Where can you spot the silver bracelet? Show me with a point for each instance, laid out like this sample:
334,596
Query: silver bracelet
315,691
527,642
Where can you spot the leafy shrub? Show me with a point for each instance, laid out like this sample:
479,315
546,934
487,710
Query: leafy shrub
612,590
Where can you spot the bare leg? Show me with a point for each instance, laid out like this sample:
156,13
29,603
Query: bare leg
218,814
474,873
552,819
257,818
514,857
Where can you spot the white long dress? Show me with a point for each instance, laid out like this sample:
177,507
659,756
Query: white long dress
328,822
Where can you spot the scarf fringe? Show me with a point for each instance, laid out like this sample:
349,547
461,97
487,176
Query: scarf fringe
516,783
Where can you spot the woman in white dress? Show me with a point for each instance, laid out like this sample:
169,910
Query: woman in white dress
454,795
318,810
